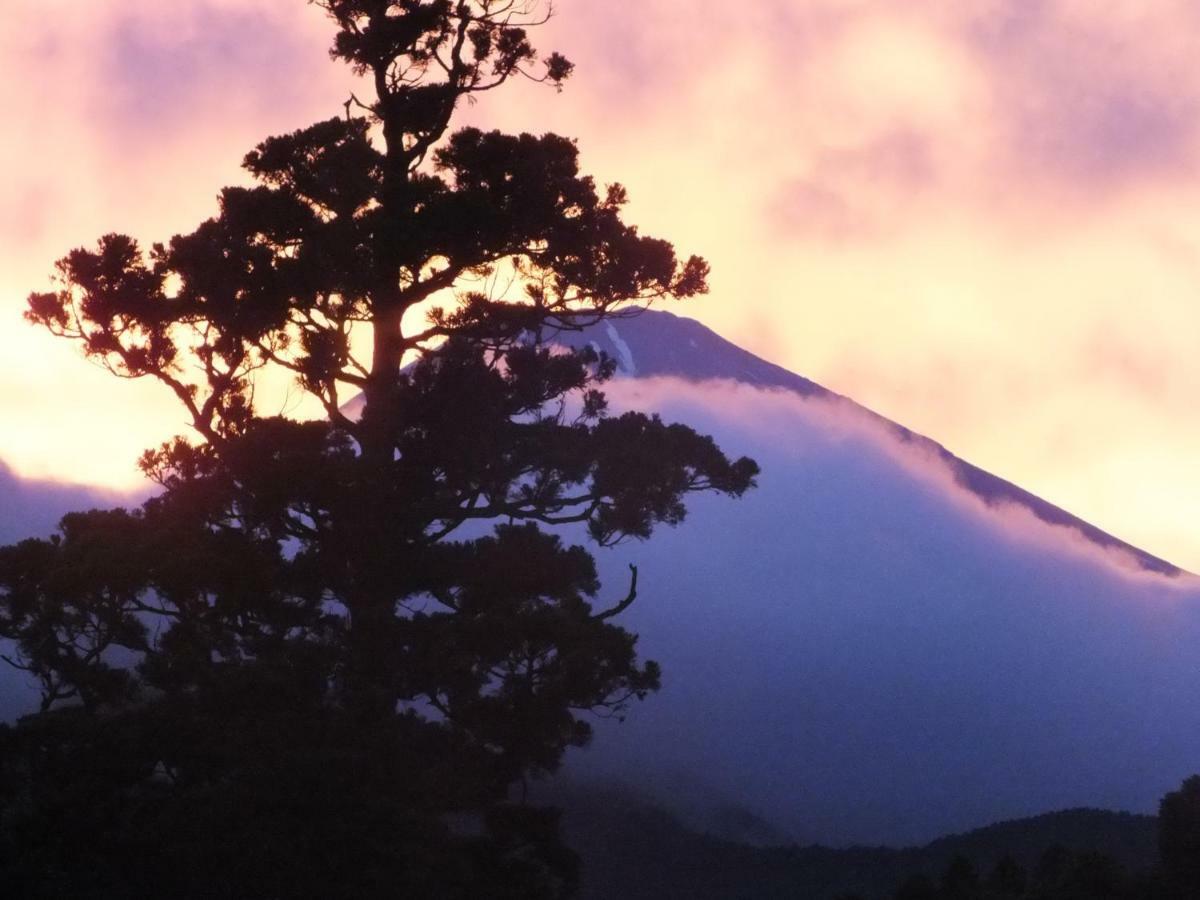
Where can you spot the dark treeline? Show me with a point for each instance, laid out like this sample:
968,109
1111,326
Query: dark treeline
1082,872
632,850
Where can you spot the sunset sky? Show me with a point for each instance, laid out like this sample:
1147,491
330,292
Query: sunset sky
980,219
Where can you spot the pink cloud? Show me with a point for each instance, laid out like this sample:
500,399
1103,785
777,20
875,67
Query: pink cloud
860,192
157,76
1092,96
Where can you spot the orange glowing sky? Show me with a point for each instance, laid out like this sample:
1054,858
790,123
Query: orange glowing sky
981,219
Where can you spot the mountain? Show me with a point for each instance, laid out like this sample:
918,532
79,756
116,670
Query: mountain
658,344
881,643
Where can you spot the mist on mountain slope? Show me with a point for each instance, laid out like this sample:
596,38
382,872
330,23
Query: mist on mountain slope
861,650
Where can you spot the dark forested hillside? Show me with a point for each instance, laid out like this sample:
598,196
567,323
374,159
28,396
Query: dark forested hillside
631,849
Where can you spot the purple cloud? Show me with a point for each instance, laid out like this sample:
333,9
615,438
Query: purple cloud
1089,100
157,77
860,191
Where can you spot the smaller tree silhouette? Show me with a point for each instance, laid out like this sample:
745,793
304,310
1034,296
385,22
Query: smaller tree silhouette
1007,878
917,887
960,881
1179,835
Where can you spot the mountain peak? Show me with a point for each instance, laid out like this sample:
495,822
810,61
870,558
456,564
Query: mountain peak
655,343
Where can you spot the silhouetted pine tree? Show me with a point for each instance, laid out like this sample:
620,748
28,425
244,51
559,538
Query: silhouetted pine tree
319,661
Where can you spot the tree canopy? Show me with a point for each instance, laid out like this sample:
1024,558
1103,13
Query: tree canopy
320,660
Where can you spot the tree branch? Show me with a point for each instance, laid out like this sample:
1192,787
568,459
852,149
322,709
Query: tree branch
624,604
